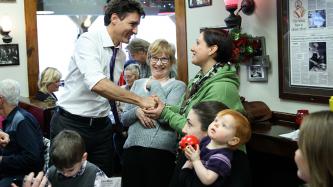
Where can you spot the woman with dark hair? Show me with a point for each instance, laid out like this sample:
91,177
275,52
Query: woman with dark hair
217,80
197,122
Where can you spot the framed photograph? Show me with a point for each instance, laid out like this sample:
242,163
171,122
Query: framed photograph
199,3
304,41
9,55
7,1
257,70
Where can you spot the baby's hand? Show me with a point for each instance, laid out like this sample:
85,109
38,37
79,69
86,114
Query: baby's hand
192,153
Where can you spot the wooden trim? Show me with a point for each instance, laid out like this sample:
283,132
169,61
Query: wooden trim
284,116
180,11
32,45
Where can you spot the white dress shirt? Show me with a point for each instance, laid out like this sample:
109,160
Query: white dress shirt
88,65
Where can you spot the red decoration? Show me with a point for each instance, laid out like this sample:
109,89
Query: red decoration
300,115
245,47
231,4
188,140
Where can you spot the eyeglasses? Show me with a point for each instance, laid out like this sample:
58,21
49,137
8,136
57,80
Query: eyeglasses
163,60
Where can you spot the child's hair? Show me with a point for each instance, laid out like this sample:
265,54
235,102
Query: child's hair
206,111
242,126
315,142
67,149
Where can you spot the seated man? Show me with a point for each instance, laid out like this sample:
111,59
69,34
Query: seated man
22,152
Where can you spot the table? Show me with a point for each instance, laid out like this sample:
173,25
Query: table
272,156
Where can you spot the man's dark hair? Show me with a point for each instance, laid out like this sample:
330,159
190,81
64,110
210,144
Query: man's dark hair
67,149
222,41
207,111
121,8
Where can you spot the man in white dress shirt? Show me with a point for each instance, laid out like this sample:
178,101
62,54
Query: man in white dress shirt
84,106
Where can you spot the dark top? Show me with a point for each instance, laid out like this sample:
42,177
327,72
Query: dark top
24,152
46,96
86,178
217,160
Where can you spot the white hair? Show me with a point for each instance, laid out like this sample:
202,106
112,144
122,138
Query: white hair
10,90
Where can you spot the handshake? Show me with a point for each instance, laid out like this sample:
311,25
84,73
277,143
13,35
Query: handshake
150,110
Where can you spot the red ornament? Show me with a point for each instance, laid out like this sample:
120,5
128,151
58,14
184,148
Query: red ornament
188,140
300,115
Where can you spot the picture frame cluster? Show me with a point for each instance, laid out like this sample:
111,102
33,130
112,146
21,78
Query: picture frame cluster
257,69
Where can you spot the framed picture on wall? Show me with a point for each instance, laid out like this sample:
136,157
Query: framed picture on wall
304,45
199,3
257,73
9,54
7,1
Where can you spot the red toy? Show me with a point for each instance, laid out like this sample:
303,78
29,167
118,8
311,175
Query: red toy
188,140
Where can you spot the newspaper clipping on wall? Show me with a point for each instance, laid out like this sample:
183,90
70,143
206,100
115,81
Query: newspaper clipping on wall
311,43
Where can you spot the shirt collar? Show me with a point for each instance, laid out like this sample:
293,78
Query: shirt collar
81,171
106,39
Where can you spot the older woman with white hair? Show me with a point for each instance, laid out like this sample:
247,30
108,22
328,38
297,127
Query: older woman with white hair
49,82
132,73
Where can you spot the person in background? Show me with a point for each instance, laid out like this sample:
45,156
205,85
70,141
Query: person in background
49,82
314,155
212,162
132,73
138,49
22,150
71,167
149,150
198,120
217,80
90,87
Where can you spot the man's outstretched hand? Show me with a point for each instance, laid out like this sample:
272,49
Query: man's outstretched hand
154,112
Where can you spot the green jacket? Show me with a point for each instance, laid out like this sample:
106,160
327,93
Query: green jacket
223,87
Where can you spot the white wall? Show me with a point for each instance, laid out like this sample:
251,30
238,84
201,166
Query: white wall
262,23
20,73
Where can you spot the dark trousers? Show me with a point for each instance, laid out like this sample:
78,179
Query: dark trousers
147,167
97,137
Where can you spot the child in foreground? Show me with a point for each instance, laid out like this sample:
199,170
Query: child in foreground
71,168
212,162
314,155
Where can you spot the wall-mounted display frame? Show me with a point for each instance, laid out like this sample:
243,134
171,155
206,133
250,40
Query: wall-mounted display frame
257,70
199,3
9,55
7,1
304,39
